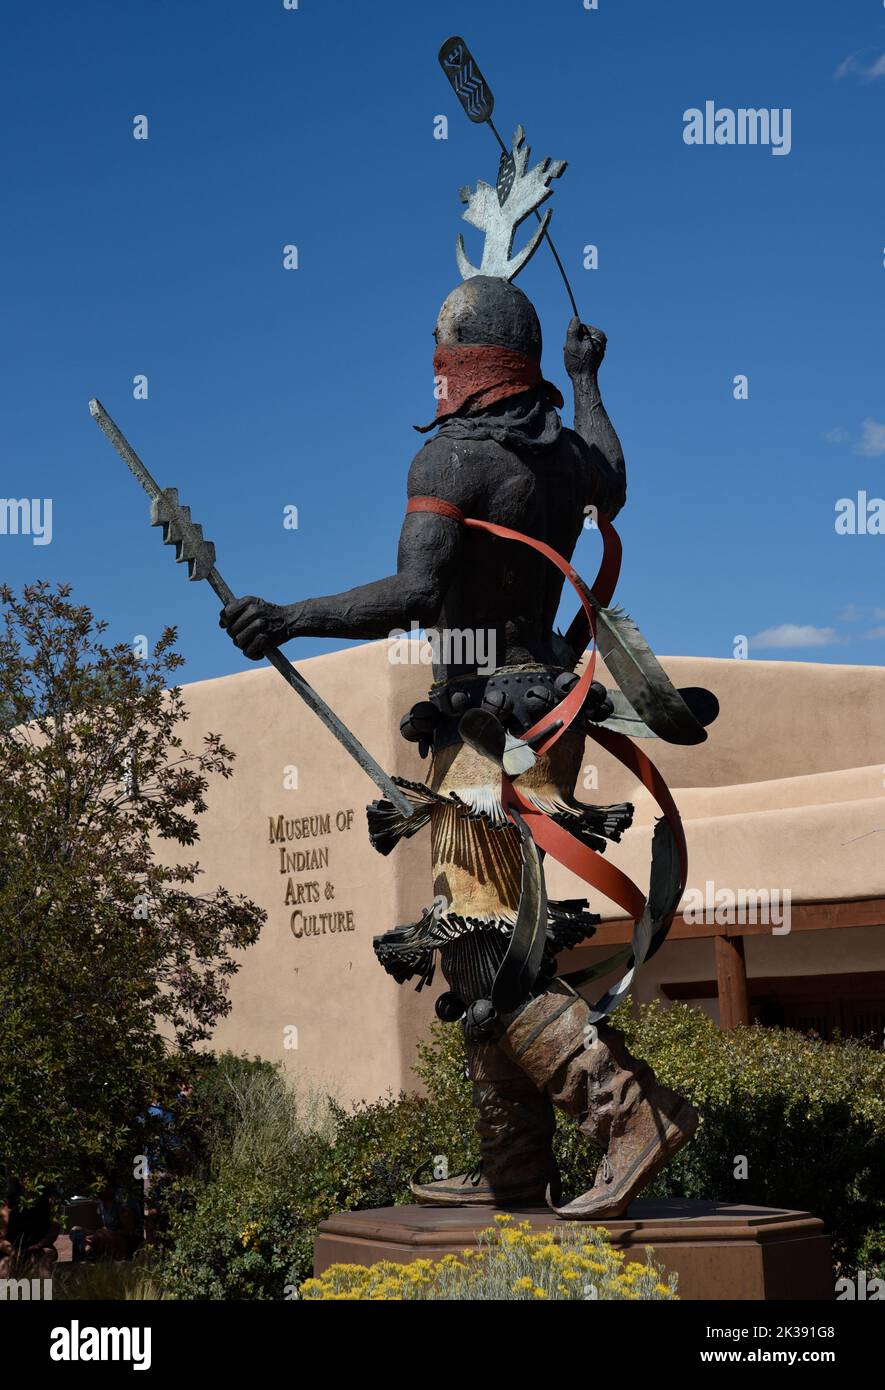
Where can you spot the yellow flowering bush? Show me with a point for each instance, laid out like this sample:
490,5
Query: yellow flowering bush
509,1262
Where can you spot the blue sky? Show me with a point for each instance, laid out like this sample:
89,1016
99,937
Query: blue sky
270,388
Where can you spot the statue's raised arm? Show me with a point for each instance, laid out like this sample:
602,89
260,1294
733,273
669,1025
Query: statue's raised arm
583,353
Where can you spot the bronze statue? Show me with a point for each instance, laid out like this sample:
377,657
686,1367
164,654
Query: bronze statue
497,500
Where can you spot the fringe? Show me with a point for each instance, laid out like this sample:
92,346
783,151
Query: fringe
593,825
408,952
387,825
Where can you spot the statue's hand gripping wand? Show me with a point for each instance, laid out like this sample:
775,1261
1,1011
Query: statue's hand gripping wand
187,537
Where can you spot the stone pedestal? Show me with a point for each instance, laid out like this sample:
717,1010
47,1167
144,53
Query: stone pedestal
720,1250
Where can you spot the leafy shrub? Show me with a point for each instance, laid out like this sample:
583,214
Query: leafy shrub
508,1263
223,1094
242,1219
242,1238
247,1230
809,1116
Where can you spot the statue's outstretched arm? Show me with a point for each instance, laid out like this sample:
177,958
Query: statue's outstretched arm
583,353
429,546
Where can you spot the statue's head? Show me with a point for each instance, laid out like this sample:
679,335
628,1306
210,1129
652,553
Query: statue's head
491,311
488,350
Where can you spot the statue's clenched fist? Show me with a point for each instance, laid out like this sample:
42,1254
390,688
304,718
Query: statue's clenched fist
253,625
584,348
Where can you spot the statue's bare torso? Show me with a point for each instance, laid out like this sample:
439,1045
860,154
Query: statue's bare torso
450,577
502,591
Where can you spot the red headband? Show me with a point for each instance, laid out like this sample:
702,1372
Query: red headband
475,376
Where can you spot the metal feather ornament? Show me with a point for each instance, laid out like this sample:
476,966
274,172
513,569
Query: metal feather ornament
643,680
624,719
651,697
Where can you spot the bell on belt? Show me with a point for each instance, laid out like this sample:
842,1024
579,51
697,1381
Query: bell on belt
481,1021
449,1007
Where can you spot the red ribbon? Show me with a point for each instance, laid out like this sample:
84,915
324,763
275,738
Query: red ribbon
560,843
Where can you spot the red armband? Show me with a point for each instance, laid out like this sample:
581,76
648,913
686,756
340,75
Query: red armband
435,504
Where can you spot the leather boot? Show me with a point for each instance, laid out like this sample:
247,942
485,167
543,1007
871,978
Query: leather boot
515,1123
617,1100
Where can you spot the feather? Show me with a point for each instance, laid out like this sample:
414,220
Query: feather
643,680
518,757
665,884
624,720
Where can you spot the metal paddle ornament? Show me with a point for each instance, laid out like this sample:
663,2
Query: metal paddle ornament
475,96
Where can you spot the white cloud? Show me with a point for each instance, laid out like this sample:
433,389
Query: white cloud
795,635
837,436
866,71
857,612
872,442
875,632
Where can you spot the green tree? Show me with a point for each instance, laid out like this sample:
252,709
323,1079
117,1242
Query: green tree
112,964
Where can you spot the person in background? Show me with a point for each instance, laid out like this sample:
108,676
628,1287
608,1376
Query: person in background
27,1233
119,1234
161,1154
